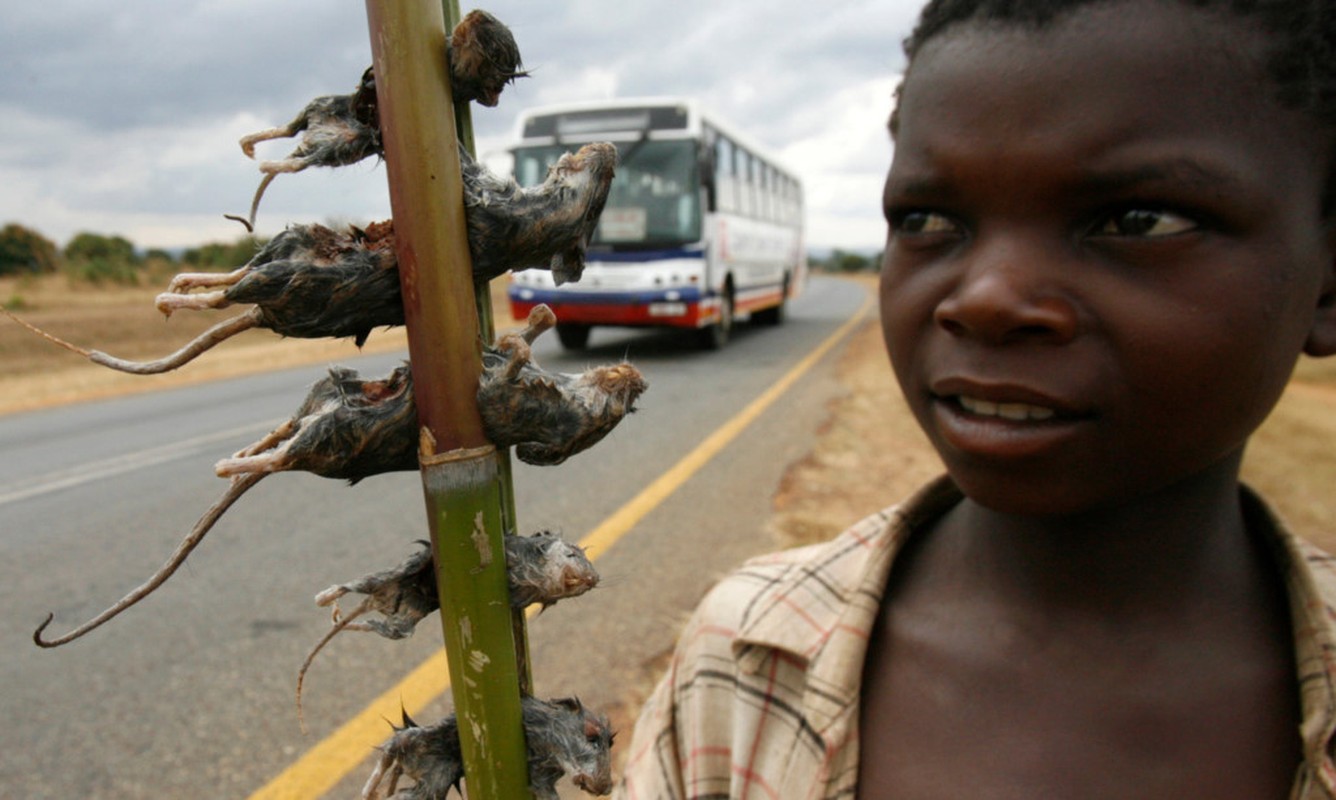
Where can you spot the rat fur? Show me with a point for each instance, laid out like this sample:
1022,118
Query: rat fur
541,568
562,737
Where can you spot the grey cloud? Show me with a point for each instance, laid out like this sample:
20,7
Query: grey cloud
92,86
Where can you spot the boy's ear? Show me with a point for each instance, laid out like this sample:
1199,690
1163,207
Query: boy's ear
1322,338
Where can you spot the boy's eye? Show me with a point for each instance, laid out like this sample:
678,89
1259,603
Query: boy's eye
1147,222
922,222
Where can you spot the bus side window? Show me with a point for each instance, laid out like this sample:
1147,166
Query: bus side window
725,187
745,196
767,193
762,196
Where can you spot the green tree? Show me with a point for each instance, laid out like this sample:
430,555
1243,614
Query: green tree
89,246
97,258
222,255
24,250
842,261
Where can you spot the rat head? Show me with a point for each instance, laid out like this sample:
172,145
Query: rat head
587,755
558,217
593,163
568,571
483,58
545,568
587,173
1110,239
622,383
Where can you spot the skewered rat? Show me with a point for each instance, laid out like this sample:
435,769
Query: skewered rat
339,130
350,428
561,736
542,568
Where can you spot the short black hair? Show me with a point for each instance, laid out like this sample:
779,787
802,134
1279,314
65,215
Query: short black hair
1301,61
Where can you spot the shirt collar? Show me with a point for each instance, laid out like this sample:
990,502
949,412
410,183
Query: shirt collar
1310,583
821,608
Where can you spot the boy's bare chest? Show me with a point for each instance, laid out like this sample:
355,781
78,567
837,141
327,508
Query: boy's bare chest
941,721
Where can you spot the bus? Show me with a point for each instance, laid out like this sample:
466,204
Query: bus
702,227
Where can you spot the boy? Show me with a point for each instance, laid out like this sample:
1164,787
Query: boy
1111,236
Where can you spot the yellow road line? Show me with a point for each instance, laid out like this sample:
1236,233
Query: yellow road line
324,765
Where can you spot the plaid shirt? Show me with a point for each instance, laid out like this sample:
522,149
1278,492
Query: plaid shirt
761,698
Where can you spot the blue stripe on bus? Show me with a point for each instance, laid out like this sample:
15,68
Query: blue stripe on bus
530,295
640,256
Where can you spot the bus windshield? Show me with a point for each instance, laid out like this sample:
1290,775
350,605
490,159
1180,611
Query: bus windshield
654,201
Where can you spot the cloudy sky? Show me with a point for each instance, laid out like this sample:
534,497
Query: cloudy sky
123,117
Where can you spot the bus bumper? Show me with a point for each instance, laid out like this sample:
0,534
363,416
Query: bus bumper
679,309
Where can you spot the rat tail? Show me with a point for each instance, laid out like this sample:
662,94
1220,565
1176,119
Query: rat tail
213,336
178,557
255,204
339,624
74,348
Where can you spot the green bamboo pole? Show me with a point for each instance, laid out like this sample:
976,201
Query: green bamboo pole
487,327
460,469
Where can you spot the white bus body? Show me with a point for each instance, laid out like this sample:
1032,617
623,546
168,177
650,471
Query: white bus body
701,226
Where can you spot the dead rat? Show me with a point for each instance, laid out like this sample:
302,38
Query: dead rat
548,416
547,226
541,568
349,428
561,737
307,282
339,130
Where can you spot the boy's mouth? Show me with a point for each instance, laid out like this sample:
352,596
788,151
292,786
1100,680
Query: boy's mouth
1017,412
1004,428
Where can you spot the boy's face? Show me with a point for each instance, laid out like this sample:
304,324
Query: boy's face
1105,254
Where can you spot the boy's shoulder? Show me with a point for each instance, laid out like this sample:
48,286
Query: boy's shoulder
793,599
789,600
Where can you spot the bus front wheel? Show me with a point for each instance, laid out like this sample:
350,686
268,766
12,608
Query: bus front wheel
774,315
572,335
715,336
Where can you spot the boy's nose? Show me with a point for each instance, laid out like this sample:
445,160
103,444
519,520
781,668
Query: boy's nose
1009,295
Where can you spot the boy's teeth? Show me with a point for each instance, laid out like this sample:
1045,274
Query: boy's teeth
1012,411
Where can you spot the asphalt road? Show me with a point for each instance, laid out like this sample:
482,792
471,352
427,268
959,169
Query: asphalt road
190,694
